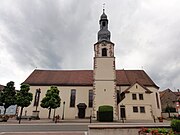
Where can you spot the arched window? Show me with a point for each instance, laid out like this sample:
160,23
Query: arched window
90,98
104,52
73,98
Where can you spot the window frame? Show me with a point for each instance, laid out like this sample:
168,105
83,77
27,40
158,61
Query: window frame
90,104
73,98
134,96
142,109
141,98
135,109
104,52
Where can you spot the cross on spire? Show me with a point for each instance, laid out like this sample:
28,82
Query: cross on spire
104,7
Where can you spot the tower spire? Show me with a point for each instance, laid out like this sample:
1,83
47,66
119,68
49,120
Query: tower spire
103,7
104,33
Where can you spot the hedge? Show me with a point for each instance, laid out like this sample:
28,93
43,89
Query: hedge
175,125
105,113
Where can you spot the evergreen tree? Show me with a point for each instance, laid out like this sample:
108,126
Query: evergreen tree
52,99
8,96
23,98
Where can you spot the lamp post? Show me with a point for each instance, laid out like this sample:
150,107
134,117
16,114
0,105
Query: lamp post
63,110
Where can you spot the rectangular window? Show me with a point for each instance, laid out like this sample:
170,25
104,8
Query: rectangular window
134,96
135,109
141,97
142,109
73,98
90,98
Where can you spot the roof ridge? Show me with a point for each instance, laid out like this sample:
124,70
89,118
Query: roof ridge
129,70
60,70
167,90
150,79
79,70
147,90
78,77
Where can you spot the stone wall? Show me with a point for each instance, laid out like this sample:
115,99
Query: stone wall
121,129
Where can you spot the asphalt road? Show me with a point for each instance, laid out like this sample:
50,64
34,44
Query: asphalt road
42,128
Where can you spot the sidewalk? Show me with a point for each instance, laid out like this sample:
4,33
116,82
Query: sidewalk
45,121
79,121
44,133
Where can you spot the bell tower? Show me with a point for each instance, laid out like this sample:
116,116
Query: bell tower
104,69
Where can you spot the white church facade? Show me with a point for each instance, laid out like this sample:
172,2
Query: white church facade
131,93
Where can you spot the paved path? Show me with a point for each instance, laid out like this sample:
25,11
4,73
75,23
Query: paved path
43,127
44,133
64,127
44,121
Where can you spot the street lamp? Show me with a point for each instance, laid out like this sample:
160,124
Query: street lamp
63,110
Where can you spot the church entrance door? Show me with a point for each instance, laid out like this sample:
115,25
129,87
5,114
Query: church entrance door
81,110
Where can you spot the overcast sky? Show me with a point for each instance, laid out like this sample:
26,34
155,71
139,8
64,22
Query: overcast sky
60,34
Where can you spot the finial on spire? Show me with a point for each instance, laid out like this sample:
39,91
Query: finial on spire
103,7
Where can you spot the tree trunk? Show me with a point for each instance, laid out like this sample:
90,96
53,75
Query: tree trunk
20,115
54,114
5,110
49,116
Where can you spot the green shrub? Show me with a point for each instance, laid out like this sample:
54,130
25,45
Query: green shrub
175,125
105,108
105,113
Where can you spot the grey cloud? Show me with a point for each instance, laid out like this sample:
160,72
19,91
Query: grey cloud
43,35
152,32
60,35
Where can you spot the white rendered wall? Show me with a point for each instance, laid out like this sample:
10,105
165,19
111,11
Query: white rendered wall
82,96
149,102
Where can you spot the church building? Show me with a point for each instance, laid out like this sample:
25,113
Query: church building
131,93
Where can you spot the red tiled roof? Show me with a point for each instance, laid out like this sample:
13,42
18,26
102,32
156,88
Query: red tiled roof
61,77
162,93
177,93
85,78
1,87
129,77
147,90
